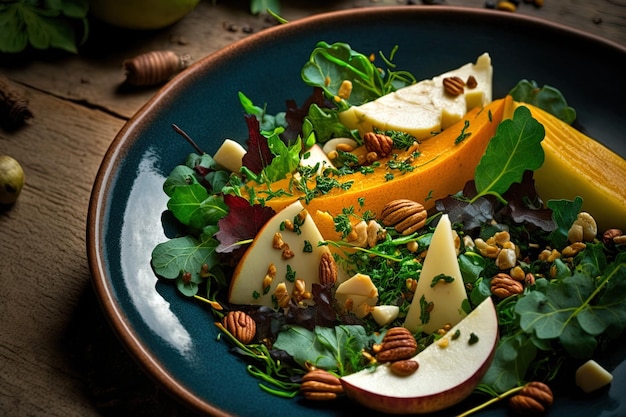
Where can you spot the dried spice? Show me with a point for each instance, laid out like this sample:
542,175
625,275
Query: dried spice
155,67
14,110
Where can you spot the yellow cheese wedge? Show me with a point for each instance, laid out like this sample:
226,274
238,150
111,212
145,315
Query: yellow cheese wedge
577,165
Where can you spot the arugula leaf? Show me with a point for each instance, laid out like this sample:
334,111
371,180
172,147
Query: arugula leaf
286,158
515,148
547,98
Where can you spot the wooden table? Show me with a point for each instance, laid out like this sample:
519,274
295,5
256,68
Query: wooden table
58,356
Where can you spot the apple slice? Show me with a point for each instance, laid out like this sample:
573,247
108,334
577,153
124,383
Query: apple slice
448,372
444,298
268,256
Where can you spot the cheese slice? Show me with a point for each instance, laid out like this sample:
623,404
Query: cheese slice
424,108
443,298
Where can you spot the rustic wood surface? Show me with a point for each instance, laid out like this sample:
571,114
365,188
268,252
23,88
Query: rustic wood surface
58,356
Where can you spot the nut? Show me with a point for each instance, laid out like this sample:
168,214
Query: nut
328,270
610,235
503,286
471,82
532,400
379,143
398,344
573,249
320,385
506,258
406,216
240,325
584,228
282,295
405,367
453,85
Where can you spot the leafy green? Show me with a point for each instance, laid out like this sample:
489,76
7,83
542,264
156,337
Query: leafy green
515,148
330,65
43,24
336,349
260,6
564,213
268,122
547,98
194,207
182,259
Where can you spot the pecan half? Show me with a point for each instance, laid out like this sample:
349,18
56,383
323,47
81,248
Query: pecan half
406,216
240,325
404,367
328,270
379,143
320,385
398,344
453,85
503,286
532,400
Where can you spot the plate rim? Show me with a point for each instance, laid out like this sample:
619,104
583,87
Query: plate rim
97,205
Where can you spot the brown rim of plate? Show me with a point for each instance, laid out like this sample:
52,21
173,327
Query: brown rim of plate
148,362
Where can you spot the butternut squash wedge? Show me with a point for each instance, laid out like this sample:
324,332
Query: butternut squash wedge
577,165
443,167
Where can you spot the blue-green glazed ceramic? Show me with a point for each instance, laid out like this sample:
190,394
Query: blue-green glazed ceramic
174,339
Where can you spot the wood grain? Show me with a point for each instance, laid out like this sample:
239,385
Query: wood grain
58,356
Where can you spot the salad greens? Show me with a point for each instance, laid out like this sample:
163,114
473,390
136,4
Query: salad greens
60,24
547,97
569,309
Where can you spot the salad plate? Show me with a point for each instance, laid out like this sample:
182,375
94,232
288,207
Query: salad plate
174,339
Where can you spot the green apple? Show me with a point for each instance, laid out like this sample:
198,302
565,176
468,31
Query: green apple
11,180
141,14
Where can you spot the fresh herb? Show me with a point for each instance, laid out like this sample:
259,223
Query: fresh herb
547,98
42,25
464,134
441,278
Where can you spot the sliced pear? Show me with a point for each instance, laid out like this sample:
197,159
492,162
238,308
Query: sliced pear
440,292
265,264
424,108
447,373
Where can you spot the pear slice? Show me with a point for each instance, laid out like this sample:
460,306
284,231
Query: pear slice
277,255
448,370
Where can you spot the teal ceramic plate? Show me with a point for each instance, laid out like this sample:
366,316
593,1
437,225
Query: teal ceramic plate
174,339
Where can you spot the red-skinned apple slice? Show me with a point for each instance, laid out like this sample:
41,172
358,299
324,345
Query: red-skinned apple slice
448,372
